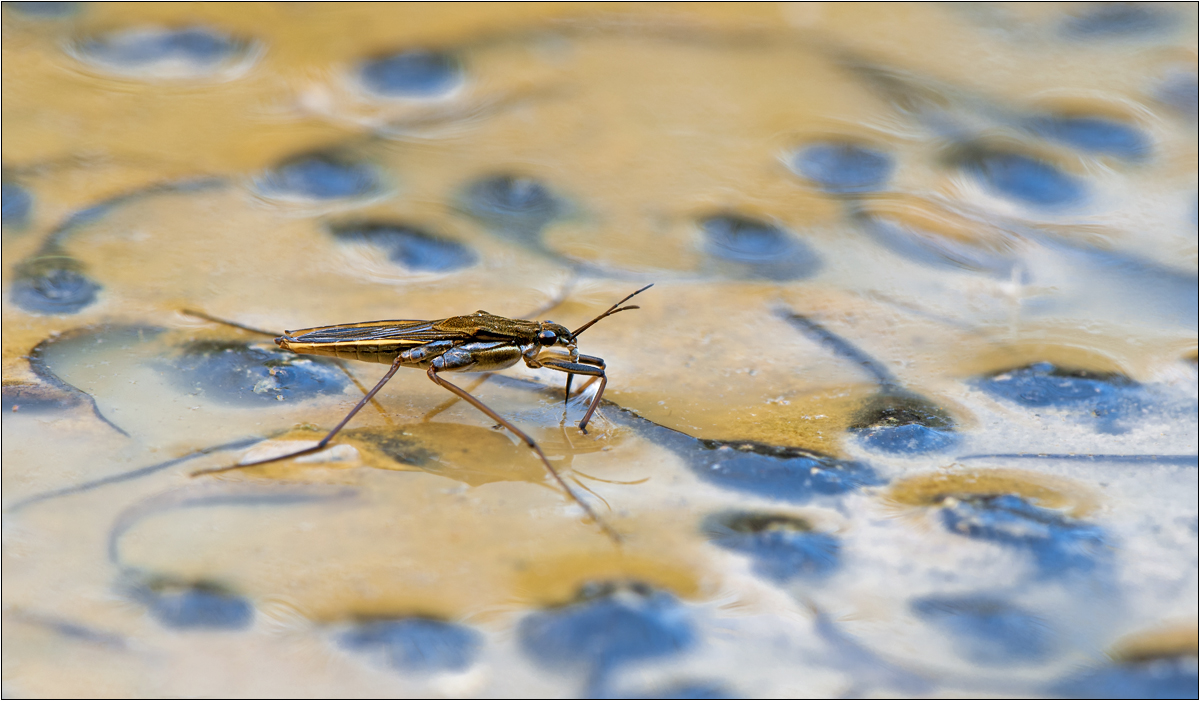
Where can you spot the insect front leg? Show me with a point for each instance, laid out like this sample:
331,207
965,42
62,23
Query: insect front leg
436,366
587,365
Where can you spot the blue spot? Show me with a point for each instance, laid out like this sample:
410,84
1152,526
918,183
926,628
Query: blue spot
1058,543
15,204
1160,678
1024,179
755,249
988,631
607,625
842,168
932,249
1107,399
242,374
1104,20
416,644
408,246
141,48
44,10
515,207
412,74
42,288
197,606
908,439
1044,384
903,423
781,547
1095,134
778,472
320,176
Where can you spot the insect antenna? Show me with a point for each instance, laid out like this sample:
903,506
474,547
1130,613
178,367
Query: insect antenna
612,310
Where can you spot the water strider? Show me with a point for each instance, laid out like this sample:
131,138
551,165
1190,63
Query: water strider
479,342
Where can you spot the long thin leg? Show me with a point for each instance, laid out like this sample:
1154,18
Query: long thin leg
484,377
608,530
328,437
588,365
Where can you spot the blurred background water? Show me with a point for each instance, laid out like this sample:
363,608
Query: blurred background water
910,410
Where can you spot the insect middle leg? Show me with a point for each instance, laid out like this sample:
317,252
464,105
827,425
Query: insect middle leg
433,375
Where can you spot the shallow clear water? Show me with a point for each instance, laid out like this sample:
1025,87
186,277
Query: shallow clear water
910,410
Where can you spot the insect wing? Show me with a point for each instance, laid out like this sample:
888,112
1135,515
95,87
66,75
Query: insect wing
405,331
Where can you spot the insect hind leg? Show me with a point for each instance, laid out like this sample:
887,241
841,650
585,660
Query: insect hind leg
324,441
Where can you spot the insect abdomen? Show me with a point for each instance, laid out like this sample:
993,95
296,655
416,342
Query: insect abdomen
363,351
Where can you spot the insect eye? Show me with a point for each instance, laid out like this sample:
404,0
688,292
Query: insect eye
547,337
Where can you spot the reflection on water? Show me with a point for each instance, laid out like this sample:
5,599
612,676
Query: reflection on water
910,410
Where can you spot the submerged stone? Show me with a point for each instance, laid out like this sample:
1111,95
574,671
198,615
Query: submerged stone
781,547
608,624
416,644
245,374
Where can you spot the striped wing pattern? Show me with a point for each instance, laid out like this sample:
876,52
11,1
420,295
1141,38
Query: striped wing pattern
397,330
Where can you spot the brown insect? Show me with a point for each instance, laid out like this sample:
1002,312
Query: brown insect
479,342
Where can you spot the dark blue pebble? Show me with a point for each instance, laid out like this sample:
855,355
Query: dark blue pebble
46,10
1024,179
1108,400
1095,134
988,631
1058,543
757,249
778,472
902,423
231,372
908,439
938,251
320,176
781,547
200,46
49,290
505,196
512,206
1045,384
199,606
1101,20
15,204
411,247
608,624
843,168
1162,678
412,74
416,644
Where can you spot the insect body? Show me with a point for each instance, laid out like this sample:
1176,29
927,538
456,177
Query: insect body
478,342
